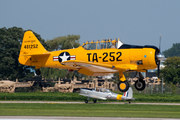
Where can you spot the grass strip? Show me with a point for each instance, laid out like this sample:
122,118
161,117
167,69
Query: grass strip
90,110
56,96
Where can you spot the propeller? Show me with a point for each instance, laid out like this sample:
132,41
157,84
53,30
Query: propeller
160,57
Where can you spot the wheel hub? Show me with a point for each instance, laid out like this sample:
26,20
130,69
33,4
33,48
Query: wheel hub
122,86
139,85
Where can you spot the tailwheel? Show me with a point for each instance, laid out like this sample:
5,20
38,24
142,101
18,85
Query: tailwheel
123,86
140,85
38,72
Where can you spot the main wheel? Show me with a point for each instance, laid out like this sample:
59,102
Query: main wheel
94,100
86,101
123,86
38,72
140,85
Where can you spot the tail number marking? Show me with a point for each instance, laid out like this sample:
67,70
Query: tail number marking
32,46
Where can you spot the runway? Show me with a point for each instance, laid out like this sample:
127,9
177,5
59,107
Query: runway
60,102
75,118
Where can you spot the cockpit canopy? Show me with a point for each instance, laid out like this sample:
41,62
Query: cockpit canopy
104,90
103,44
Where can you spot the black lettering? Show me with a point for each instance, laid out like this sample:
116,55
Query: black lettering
106,54
118,58
89,54
32,46
95,57
113,58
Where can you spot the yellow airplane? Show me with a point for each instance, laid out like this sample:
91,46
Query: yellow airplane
98,58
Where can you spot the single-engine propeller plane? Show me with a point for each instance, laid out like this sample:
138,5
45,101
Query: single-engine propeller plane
105,94
98,58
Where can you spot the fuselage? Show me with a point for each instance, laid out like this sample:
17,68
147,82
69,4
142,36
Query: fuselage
122,57
143,58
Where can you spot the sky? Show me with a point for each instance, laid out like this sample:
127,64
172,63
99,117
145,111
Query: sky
138,22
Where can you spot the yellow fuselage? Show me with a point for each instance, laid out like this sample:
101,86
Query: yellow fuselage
122,59
115,57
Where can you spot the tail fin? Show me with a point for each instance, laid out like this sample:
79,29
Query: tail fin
128,95
30,47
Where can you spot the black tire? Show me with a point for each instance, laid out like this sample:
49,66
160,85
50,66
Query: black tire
86,101
94,100
140,85
38,72
123,86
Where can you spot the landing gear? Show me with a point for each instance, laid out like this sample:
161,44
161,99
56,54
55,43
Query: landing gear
140,85
123,86
38,72
94,101
86,101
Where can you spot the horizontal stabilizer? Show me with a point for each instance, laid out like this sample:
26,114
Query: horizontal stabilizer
38,54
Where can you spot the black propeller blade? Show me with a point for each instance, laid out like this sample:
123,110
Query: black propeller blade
158,68
159,60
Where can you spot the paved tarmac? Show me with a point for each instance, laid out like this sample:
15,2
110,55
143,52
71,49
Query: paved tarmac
60,102
75,118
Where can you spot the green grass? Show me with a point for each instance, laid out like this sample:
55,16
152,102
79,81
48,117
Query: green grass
90,110
56,96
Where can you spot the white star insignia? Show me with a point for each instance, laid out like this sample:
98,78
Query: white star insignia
64,57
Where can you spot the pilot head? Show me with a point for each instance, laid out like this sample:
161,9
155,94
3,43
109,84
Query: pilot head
114,42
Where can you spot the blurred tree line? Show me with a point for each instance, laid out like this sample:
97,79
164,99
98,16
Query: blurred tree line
173,51
10,44
171,71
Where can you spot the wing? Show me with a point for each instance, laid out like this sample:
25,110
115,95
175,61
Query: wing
98,69
90,68
94,96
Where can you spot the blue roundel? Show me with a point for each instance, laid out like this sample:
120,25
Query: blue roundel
145,56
